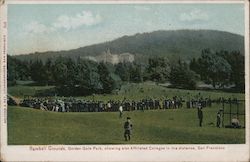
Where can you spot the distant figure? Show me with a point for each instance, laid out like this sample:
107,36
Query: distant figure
219,116
120,111
61,105
109,106
67,108
200,115
57,108
128,129
235,122
218,119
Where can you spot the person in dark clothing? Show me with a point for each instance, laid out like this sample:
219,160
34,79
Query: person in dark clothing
218,119
200,115
128,129
219,116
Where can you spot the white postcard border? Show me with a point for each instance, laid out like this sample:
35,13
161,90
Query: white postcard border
211,152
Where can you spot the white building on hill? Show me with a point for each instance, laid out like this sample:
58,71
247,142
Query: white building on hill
107,57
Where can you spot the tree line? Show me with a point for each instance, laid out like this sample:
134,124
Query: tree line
221,68
84,77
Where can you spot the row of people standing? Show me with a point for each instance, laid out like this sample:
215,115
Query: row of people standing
194,103
80,105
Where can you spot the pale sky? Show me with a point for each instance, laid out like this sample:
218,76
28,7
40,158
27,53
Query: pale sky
51,27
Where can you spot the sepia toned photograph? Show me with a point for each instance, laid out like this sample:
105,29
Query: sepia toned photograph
142,76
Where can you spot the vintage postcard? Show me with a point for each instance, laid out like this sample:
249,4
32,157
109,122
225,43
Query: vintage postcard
124,80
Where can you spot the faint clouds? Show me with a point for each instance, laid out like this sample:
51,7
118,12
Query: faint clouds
36,28
194,15
85,18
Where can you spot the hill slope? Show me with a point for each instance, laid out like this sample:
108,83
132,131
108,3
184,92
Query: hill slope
178,43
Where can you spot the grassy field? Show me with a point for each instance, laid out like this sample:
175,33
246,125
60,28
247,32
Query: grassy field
145,90
172,126
22,91
132,91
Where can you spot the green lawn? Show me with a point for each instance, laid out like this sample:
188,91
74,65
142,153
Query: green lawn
135,91
22,91
30,126
173,126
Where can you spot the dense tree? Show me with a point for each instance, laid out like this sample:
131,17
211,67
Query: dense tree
106,80
122,69
237,63
76,78
49,80
60,71
195,66
86,77
37,72
158,69
136,73
130,72
17,70
182,77
213,68
11,71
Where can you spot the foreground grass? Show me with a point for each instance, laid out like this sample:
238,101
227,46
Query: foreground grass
173,126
